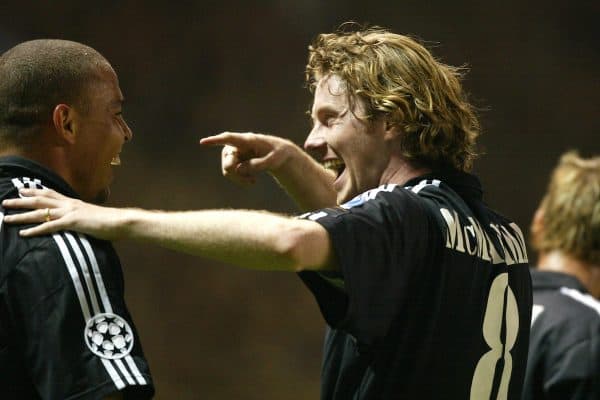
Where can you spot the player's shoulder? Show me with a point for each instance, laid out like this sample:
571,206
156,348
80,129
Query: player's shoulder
567,308
16,250
48,257
564,321
14,247
386,202
388,193
31,266
8,190
582,306
436,193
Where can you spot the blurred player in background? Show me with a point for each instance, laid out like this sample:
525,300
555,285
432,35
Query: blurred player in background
65,331
425,290
564,353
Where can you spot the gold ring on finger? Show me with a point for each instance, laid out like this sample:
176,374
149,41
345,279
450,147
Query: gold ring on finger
48,218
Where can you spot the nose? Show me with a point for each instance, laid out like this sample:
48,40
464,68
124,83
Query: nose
315,144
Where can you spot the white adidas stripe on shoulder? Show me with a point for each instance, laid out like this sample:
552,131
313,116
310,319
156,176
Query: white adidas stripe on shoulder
97,275
424,183
23,182
583,298
86,273
99,300
64,251
20,184
32,183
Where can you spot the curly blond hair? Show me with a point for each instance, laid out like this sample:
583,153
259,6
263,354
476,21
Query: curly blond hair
571,210
395,75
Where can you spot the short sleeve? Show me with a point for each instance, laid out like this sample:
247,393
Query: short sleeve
378,240
71,323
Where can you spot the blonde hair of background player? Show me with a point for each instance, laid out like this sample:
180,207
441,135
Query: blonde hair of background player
570,210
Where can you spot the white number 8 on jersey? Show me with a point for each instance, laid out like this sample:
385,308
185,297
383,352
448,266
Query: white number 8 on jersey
495,312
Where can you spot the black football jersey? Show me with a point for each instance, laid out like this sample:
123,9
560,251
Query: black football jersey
432,296
564,349
65,331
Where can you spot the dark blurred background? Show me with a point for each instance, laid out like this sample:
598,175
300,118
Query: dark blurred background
191,69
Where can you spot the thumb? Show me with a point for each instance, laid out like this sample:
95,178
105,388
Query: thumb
255,165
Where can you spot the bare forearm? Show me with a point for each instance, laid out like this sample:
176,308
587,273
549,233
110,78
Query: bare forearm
246,154
249,239
306,181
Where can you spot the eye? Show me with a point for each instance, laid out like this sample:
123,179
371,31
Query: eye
119,116
330,120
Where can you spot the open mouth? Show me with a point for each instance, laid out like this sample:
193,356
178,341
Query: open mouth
336,166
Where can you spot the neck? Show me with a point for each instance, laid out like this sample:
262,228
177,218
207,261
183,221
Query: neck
51,157
400,171
588,275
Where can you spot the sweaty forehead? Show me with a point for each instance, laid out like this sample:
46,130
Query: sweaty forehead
330,91
331,94
332,85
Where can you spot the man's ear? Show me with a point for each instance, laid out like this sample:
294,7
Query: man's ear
537,224
392,130
63,121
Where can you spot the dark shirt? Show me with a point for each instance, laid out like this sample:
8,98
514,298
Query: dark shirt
432,299
65,331
564,351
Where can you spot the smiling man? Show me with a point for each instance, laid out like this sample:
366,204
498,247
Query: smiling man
65,331
425,290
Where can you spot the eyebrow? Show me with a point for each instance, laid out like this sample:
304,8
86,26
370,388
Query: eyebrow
325,109
330,109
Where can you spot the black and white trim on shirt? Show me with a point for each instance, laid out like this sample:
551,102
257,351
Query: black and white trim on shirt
84,271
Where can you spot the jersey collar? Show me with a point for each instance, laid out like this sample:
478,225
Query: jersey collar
464,184
15,165
555,280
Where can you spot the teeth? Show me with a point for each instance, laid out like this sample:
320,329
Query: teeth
335,165
116,160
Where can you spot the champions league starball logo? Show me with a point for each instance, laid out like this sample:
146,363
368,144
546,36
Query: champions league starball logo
108,336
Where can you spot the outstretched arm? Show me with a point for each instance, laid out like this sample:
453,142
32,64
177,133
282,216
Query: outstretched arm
245,155
249,239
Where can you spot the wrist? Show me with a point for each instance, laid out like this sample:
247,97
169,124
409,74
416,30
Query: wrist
124,222
289,155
